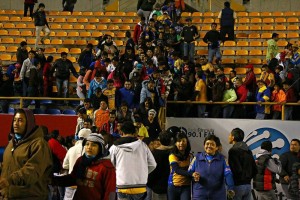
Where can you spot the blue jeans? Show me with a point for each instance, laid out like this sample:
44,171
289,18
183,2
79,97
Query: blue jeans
189,50
179,192
260,116
242,192
228,111
122,196
201,110
213,52
288,113
62,87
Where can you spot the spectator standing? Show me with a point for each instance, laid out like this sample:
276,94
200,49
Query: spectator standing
138,29
41,24
22,53
250,83
93,172
25,71
227,17
27,160
294,181
110,92
189,35
86,57
110,126
68,5
267,75
73,154
272,49
126,94
29,4
63,67
158,179
241,92
295,60
179,183
206,186
6,90
290,97
242,165
97,98
125,151
200,93
97,82
152,125
101,116
213,39
229,95
144,8
124,114
278,95
288,159
47,77
263,95
267,168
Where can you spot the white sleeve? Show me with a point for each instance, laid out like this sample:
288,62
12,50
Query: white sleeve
112,155
220,14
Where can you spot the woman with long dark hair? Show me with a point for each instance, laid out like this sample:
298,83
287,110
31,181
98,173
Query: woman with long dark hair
179,184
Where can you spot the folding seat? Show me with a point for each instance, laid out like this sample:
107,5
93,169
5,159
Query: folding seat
118,43
69,111
4,18
255,20
184,14
67,27
97,34
93,20
3,32
10,12
61,34
282,43
56,41
120,14
30,40
242,52
292,35
65,13
82,20
60,20
133,14
243,28
282,35
26,19
268,20
105,20
197,14
241,61
256,70
26,33
101,27
9,25
255,61
78,27
268,28
113,27
241,35
11,49
293,20
289,13
255,27
277,14
77,13
21,26
14,33
75,51
2,48
5,57
206,28
266,35
87,13
94,42
265,14
201,43
90,27
85,34
31,26
280,20
73,34
124,28
98,14
14,59
240,70
72,20
15,19
280,28
117,21
228,52
253,14
7,40
120,35
293,27
208,14
242,14
55,26
196,20
60,50
202,52
255,43
50,50
53,111
244,21
53,13
242,43
112,34
255,52
19,40
109,14
229,44
80,42
127,21
76,66
208,21
227,61
72,59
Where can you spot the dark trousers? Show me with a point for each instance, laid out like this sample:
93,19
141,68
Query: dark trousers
179,192
32,92
227,30
26,6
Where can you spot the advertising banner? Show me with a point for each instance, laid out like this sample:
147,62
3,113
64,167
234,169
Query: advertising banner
278,132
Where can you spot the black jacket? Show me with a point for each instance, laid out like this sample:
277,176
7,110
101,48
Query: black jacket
63,69
21,55
242,163
146,5
40,18
287,160
6,88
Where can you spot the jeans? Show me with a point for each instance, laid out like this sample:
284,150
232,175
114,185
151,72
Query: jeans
201,110
213,52
285,188
189,50
179,192
288,113
149,194
32,92
25,86
266,195
260,116
228,111
30,6
122,196
229,30
242,192
62,87
159,196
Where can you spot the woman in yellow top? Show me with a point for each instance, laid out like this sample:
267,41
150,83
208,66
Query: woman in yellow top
179,184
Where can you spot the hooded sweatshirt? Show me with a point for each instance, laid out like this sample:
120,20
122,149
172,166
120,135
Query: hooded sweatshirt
132,176
242,163
27,163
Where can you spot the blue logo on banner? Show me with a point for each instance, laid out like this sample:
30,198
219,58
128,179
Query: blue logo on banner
279,141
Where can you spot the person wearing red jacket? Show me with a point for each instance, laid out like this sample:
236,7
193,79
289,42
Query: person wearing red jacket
250,83
93,172
241,92
29,4
138,29
290,98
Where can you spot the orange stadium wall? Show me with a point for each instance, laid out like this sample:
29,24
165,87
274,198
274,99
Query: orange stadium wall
65,124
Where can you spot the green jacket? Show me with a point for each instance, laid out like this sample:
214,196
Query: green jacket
27,167
272,50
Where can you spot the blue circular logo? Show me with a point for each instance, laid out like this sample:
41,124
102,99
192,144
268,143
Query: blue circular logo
279,141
